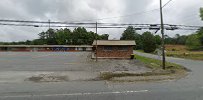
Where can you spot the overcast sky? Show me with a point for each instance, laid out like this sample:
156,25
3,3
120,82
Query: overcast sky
176,12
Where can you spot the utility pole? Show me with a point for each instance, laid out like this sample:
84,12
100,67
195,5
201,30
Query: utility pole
96,41
163,37
49,23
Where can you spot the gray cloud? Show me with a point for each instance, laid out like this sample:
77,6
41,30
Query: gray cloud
177,12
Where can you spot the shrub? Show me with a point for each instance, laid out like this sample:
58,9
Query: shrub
149,42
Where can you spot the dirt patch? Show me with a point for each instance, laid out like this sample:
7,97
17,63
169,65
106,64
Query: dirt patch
47,78
110,75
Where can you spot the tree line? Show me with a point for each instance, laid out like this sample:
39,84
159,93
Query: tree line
79,36
149,41
146,41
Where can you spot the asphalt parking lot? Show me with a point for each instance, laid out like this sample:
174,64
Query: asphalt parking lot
17,66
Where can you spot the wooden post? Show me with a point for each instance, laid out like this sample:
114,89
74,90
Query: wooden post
163,37
96,41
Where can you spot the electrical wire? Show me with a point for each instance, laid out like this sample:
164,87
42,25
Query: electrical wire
166,3
128,14
47,22
115,17
35,23
111,25
77,22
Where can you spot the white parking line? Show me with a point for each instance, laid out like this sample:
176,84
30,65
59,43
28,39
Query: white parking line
75,94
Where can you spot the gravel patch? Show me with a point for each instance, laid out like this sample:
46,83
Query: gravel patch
48,78
60,66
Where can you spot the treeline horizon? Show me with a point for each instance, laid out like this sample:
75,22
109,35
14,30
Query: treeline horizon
80,36
149,41
145,41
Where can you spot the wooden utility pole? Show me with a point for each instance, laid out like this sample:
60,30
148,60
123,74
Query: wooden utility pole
96,42
163,37
49,23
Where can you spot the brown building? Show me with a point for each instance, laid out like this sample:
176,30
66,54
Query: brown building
45,48
113,48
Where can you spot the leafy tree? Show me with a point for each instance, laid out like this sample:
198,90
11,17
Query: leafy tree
28,42
131,34
51,37
62,36
104,37
139,42
200,35
37,42
50,33
169,40
193,42
177,37
47,37
182,40
201,13
68,37
157,39
200,32
42,35
79,36
91,37
149,42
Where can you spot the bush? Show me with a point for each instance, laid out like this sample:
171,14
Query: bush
173,49
193,42
149,42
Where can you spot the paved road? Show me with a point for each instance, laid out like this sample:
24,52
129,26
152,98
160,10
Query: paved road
189,88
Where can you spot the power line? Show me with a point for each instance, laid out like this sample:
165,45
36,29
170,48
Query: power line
36,23
49,22
114,25
128,14
133,14
194,26
8,24
39,22
166,3
75,22
45,22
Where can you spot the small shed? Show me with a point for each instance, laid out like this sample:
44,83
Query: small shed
113,48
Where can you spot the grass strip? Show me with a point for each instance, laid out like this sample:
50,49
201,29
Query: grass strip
154,64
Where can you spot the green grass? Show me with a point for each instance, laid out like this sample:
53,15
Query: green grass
181,51
154,64
157,64
186,54
110,75
142,51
